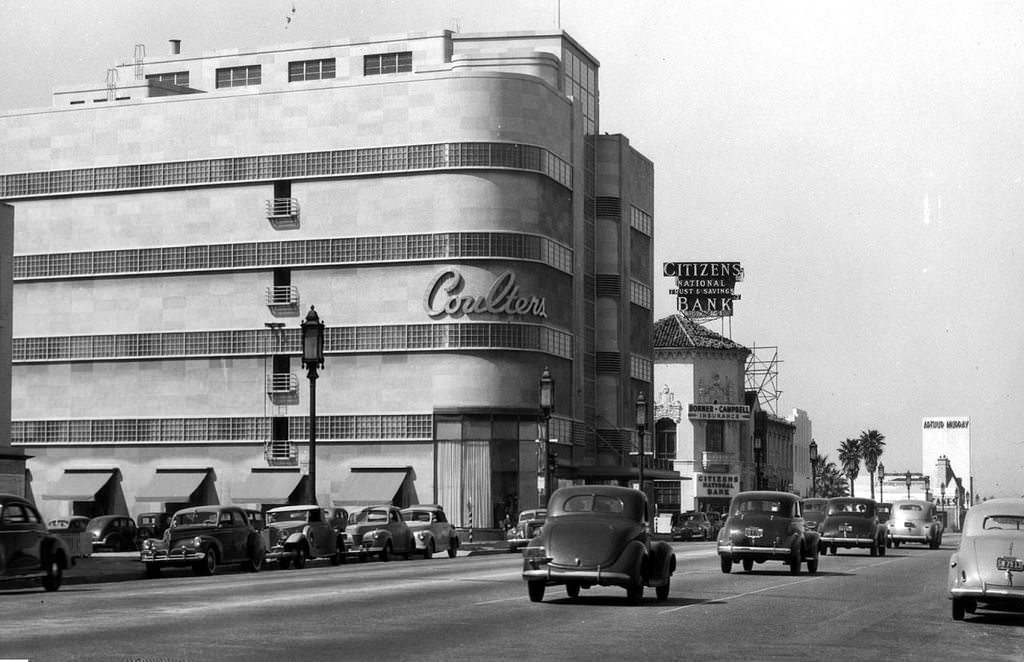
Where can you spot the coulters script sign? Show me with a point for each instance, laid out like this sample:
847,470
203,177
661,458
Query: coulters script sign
699,411
717,485
704,288
444,296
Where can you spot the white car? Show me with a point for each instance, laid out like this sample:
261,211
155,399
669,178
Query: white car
431,529
988,567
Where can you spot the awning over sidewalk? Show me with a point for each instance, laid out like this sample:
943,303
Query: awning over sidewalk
80,484
274,487
175,485
369,487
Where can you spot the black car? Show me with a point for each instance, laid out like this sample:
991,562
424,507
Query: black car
152,525
27,548
852,522
203,537
114,533
767,526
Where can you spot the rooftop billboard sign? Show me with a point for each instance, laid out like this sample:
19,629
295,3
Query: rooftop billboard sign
704,288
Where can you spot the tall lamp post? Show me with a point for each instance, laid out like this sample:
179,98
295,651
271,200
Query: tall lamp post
547,405
312,358
641,425
881,482
908,484
814,468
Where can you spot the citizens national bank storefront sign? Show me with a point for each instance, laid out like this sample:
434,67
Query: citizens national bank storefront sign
717,485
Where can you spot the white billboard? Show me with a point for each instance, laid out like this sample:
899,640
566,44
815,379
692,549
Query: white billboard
949,436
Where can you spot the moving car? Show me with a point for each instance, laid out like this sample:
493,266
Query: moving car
915,521
27,548
691,525
767,526
378,531
598,535
152,525
204,537
987,568
526,527
298,533
814,512
115,533
431,529
852,522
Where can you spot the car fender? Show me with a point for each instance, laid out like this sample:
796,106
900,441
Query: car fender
54,548
811,541
634,551
294,539
428,539
661,565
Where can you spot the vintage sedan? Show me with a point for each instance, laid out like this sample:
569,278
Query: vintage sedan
27,548
152,525
204,537
526,527
378,531
299,533
115,533
814,510
691,526
987,569
598,535
767,526
432,530
915,521
852,522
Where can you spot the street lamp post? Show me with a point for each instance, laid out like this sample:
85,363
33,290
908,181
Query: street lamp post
757,462
547,405
814,468
312,357
908,484
881,482
641,425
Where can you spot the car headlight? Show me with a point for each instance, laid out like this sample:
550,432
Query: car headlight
421,535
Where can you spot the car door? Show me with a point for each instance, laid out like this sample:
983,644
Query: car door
21,537
400,539
231,532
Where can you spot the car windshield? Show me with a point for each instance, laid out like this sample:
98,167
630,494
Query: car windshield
593,503
772,506
532,514
850,508
196,518
1003,523
417,515
288,516
368,516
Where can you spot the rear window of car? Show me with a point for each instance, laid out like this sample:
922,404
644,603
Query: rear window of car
773,506
849,508
593,503
911,507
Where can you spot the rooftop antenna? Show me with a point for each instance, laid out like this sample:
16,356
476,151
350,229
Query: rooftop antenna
140,55
111,83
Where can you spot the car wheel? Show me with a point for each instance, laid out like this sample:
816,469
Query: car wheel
812,565
662,591
284,563
726,564
255,562
428,549
895,544
301,554
385,554
933,543
207,565
536,591
834,548
874,548
748,565
152,570
795,559
54,574
408,550
823,550
635,590
971,606
881,548
339,553
453,548
959,609
572,589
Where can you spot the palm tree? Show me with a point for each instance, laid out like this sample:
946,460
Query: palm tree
871,443
849,456
830,482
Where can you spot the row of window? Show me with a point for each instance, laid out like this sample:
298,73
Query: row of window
256,342
641,295
303,252
252,74
204,430
360,161
641,221
641,368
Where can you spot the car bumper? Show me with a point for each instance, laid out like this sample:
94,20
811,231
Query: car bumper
754,552
517,543
908,537
558,575
989,593
174,557
838,541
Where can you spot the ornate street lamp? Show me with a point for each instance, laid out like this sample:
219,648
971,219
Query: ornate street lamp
908,484
547,405
312,358
814,468
881,482
641,425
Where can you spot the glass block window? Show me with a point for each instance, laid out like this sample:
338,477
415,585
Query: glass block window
172,77
640,295
640,368
641,221
387,63
239,76
311,70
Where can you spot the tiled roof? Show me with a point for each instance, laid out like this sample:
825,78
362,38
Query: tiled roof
678,332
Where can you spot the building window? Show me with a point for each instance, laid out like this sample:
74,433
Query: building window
311,70
714,436
172,77
239,76
387,63
665,439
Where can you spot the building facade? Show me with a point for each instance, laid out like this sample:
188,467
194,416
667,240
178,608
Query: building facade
447,204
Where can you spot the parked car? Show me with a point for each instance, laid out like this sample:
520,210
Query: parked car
526,527
987,568
716,523
767,526
598,535
115,533
431,530
298,533
152,525
73,524
74,534
814,510
852,522
915,521
378,531
204,537
27,548
690,526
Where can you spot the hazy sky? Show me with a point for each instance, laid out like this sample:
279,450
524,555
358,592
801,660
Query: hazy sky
863,160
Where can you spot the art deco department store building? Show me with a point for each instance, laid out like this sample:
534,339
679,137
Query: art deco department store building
446,203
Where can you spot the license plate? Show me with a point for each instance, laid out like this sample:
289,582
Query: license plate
1009,563
753,532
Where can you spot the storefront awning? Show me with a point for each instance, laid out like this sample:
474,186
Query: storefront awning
267,487
368,487
173,486
80,484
